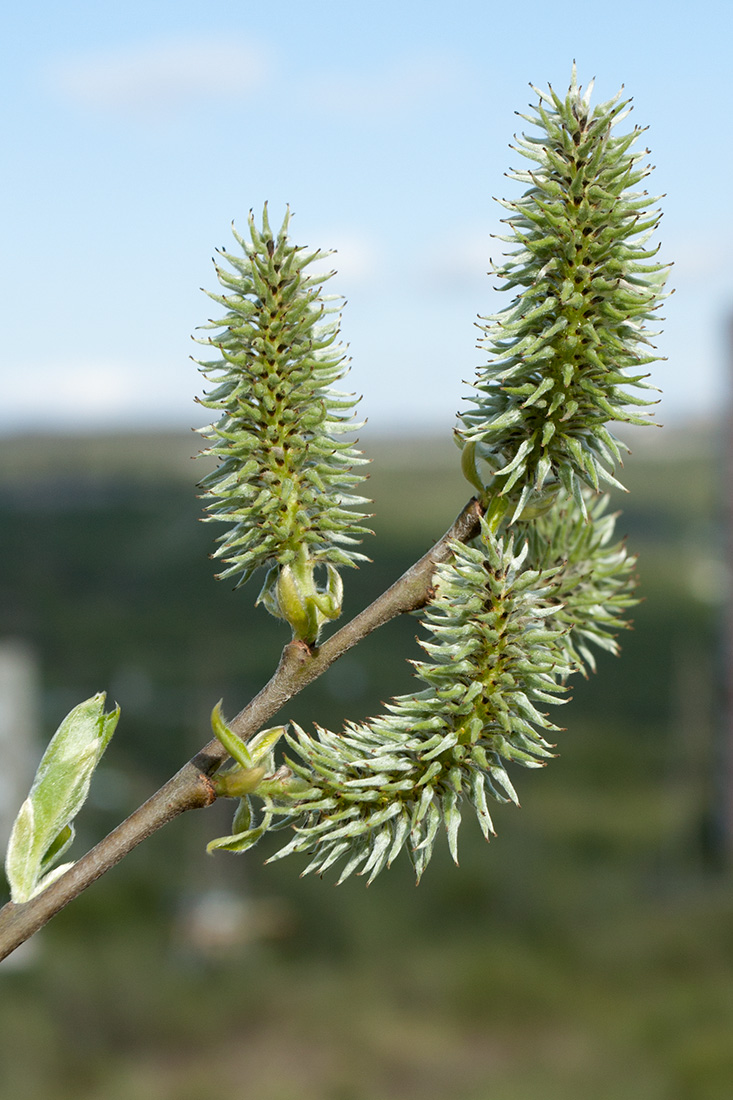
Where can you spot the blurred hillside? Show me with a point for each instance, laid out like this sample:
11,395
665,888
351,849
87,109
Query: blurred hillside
585,952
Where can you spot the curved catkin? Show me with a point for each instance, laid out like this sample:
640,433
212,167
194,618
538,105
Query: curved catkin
512,618
397,780
285,475
593,578
567,353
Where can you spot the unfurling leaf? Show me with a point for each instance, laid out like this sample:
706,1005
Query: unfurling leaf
43,829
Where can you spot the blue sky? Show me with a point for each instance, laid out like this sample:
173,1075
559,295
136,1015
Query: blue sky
134,136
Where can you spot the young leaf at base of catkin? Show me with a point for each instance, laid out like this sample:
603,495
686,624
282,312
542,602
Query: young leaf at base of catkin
593,580
285,473
563,353
398,778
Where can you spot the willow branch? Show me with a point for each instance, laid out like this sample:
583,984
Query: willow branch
300,664
191,787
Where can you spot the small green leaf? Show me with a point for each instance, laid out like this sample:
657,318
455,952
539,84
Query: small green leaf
262,744
243,816
60,845
234,745
245,839
240,842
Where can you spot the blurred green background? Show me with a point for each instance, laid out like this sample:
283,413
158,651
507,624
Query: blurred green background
586,952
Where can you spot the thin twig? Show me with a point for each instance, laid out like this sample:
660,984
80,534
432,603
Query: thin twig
191,788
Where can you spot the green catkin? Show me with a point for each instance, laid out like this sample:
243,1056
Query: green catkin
565,355
285,475
493,662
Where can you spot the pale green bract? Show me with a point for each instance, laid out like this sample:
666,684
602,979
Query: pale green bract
43,829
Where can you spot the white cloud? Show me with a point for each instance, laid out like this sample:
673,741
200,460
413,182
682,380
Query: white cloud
460,263
456,264
401,84
161,75
354,258
85,393
704,258
168,74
